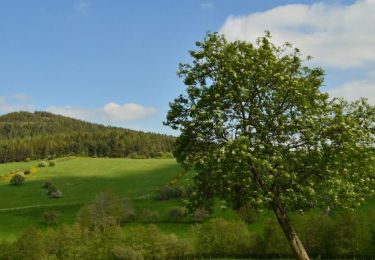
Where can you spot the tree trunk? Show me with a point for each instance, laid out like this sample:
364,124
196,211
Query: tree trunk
284,221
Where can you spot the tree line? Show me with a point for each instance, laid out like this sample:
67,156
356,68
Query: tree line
25,135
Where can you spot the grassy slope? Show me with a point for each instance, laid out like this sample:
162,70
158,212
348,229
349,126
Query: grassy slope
80,179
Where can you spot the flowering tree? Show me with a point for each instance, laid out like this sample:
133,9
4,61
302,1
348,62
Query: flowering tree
256,129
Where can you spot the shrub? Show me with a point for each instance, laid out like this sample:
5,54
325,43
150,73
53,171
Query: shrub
168,192
179,248
176,214
27,171
104,212
47,185
126,253
56,194
29,245
129,212
150,240
51,217
51,163
272,243
200,215
51,189
149,216
248,213
17,179
221,238
42,164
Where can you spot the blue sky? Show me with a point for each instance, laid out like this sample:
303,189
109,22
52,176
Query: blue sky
115,61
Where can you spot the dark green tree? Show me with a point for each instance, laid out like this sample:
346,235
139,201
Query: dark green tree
257,129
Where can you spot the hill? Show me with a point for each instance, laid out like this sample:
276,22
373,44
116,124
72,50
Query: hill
25,135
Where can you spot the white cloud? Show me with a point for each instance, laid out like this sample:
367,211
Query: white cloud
75,112
335,35
6,107
110,113
127,112
354,90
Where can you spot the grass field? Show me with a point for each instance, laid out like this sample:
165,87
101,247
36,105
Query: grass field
80,179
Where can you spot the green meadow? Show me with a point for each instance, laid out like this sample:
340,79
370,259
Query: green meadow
80,179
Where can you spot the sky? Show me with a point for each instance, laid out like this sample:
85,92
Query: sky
115,61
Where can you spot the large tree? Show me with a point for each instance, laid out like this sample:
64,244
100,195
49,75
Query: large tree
256,128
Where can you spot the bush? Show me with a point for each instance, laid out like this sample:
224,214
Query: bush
104,212
51,189
47,185
200,215
220,238
17,179
176,214
149,216
42,164
51,163
56,194
129,212
272,243
27,171
51,217
168,192
126,253
248,213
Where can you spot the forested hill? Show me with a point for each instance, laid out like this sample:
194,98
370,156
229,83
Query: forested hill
25,135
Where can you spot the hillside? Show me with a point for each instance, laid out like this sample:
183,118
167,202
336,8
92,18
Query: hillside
25,135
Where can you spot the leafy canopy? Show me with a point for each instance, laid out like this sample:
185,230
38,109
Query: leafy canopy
256,128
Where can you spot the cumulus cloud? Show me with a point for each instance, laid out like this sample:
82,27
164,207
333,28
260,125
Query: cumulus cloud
354,90
110,113
127,112
335,35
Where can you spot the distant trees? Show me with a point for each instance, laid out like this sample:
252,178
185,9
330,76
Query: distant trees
25,136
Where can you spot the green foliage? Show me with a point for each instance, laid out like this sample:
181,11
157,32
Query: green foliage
126,253
149,216
220,237
272,242
260,130
37,135
256,128
177,214
248,213
55,194
29,245
129,213
27,171
51,163
42,164
200,215
104,212
51,217
17,179
47,185
169,192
